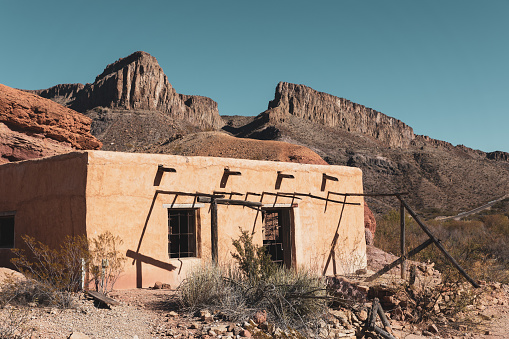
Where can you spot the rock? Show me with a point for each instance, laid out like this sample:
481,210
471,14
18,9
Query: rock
62,94
370,239
172,314
369,221
218,144
78,335
7,275
206,316
329,110
158,285
433,328
363,315
260,317
245,333
220,329
33,127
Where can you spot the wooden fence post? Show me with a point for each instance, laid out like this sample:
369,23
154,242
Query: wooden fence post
402,240
213,229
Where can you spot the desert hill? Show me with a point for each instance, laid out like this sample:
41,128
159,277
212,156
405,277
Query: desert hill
218,144
33,127
439,177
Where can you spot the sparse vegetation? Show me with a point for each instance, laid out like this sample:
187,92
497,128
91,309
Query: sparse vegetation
292,299
480,244
105,262
53,275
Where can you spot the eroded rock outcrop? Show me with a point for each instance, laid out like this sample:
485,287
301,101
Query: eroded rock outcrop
329,110
32,127
62,94
137,82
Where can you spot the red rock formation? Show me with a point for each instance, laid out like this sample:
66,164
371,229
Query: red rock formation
369,219
137,82
306,103
31,127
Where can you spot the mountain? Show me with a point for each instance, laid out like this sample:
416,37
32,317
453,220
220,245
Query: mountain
33,127
439,177
134,108
132,98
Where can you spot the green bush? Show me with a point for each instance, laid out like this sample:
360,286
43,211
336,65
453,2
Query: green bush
253,260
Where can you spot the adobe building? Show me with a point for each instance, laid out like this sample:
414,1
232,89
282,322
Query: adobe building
160,205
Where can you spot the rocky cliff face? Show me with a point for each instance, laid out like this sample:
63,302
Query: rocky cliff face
137,82
62,94
32,127
306,103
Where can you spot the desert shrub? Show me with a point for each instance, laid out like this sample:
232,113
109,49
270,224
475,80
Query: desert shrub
292,298
105,261
478,245
253,260
52,274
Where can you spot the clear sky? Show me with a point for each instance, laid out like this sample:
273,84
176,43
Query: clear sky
441,67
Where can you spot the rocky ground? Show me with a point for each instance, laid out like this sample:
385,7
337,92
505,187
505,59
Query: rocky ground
424,309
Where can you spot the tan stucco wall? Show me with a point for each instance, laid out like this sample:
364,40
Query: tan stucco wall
48,196
121,198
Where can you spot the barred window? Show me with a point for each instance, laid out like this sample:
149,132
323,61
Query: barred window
181,233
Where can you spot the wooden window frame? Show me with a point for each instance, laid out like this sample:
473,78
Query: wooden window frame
182,233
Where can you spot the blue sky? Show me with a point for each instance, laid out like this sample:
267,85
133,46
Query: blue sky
441,67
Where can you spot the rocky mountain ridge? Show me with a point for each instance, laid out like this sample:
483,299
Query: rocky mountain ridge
437,175
306,103
136,82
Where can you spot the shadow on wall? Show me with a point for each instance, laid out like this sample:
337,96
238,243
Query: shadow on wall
140,258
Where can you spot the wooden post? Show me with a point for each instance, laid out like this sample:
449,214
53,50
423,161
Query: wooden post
402,240
438,244
213,229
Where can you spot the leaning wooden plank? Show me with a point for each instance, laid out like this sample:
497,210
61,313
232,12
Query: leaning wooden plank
398,261
101,297
438,244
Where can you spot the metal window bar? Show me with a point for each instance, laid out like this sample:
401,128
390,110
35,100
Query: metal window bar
181,233
273,241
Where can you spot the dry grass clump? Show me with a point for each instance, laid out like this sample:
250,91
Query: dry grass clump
292,299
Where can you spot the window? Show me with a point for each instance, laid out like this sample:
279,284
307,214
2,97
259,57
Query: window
6,230
182,233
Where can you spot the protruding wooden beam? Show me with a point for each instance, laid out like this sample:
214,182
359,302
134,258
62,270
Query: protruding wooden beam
280,177
326,177
226,174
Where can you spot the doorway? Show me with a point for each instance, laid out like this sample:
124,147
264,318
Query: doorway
277,235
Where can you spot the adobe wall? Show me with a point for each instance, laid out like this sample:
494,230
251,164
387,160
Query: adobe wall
48,196
121,197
